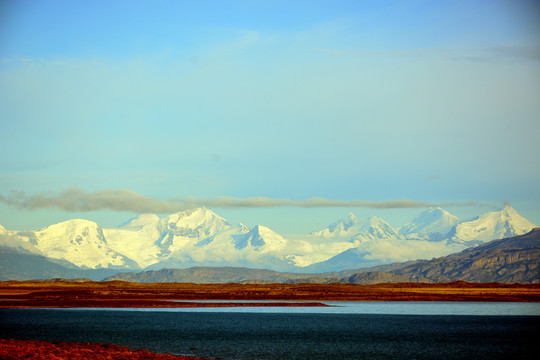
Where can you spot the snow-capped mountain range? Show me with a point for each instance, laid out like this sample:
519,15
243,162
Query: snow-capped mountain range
200,237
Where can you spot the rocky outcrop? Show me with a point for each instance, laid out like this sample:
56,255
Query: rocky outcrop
509,260
378,277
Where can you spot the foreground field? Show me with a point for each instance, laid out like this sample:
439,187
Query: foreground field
38,350
127,294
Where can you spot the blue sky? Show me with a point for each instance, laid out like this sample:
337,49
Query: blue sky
432,101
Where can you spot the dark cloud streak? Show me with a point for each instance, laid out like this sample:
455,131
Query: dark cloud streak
79,200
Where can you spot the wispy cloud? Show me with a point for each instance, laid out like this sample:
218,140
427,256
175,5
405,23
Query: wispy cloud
79,200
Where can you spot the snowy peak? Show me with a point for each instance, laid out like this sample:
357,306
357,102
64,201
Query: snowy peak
346,223
491,226
341,228
78,241
199,236
196,217
377,228
510,212
430,222
351,228
140,221
195,223
263,239
376,221
73,228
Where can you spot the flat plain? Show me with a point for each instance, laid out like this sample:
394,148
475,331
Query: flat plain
120,294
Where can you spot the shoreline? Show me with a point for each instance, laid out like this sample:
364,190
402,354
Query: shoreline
15,349
156,304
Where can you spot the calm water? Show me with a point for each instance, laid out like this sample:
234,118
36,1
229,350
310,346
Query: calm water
385,307
298,333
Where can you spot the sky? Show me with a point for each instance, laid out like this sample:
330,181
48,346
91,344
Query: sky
284,113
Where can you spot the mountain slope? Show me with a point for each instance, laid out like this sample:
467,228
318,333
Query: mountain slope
426,237
17,266
431,224
259,247
187,237
490,226
515,259
349,259
198,224
375,228
80,242
510,260
262,239
199,237
202,275
140,221
223,275
351,228
345,227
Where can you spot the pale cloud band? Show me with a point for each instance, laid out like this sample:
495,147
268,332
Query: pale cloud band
79,200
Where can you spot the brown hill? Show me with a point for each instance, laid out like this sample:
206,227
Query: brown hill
511,260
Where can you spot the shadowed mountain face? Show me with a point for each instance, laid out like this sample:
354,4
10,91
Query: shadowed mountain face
510,260
16,266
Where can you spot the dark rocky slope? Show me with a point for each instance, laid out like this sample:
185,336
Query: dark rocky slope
510,260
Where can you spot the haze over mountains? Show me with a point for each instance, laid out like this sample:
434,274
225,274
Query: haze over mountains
200,237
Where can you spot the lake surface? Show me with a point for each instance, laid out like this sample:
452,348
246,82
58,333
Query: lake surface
367,330
381,307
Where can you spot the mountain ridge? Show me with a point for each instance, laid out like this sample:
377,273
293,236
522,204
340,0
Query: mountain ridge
514,259
506,260
200,237
432,223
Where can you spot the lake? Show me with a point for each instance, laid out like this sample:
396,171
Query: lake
350,330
